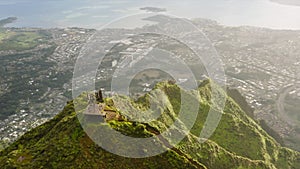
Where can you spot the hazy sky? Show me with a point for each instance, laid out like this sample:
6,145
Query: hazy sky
94,13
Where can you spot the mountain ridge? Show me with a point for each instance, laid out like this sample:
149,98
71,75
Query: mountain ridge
238,142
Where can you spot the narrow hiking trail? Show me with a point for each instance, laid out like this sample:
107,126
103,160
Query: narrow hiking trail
167,144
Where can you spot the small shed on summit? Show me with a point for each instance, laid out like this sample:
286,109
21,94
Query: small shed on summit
94,113
95,110
98,111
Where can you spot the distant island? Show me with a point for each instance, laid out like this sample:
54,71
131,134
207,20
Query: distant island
153,9
8,20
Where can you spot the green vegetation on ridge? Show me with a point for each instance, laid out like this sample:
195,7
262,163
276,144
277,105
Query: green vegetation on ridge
238,142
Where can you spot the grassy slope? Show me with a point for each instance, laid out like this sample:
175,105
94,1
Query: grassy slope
8,20
240,135
237,138
62,143
21,40
238,142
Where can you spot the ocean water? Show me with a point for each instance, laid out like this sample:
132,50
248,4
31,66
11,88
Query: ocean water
94,14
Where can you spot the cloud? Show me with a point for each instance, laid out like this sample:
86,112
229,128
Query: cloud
67,12
94,7
100,16
287,2
13,2
120,10
75,15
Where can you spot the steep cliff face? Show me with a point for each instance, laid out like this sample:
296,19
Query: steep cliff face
238,141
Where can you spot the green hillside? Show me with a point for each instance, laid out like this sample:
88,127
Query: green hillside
8,20
238,142
18,40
